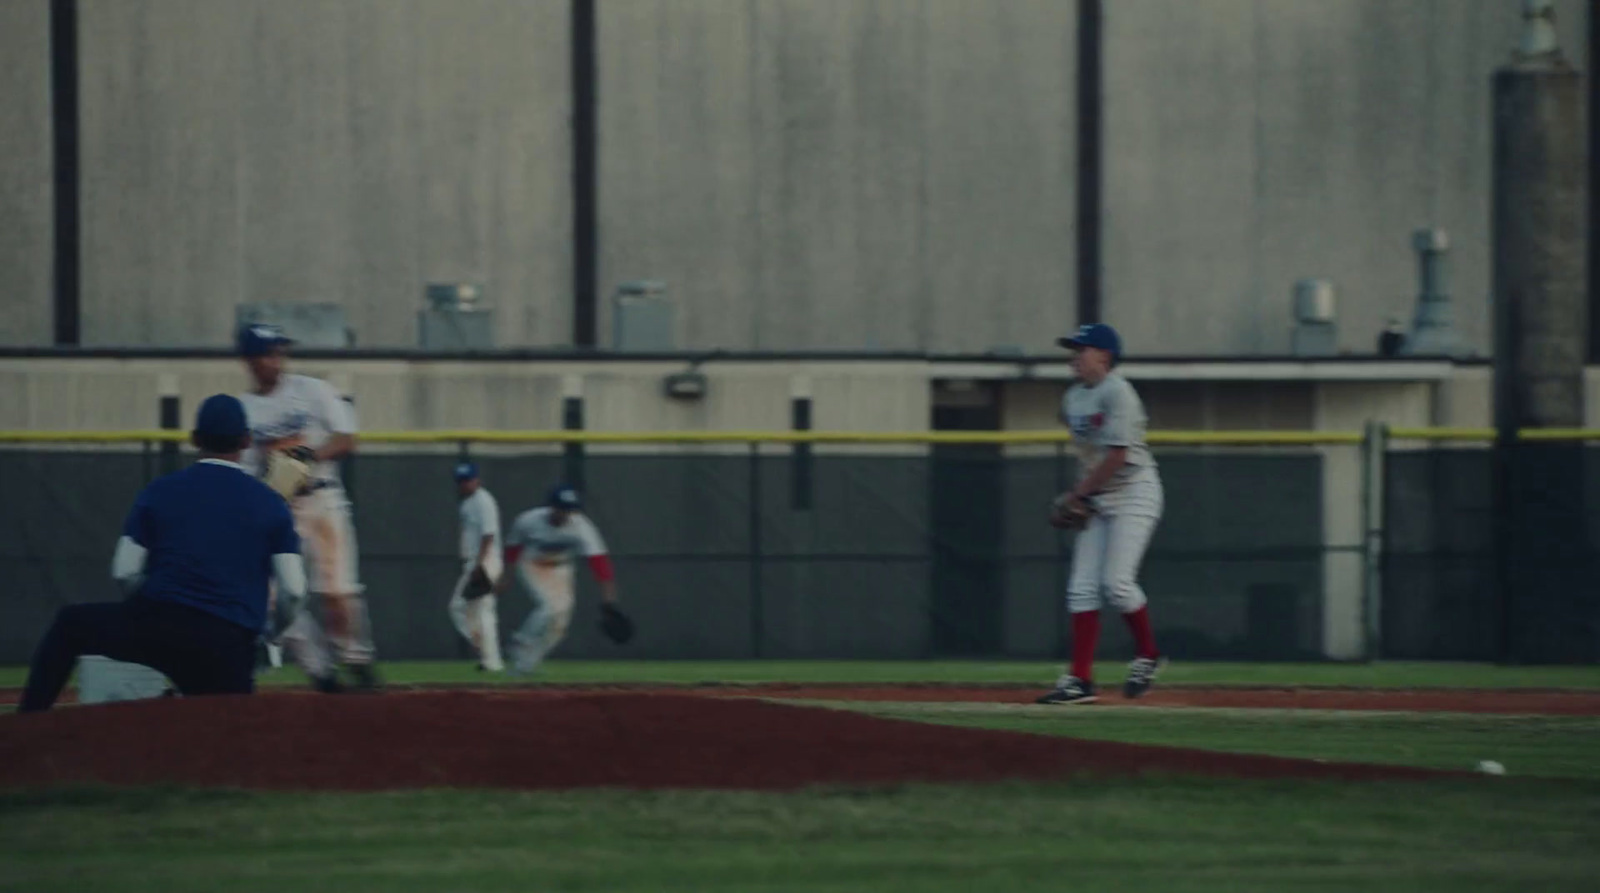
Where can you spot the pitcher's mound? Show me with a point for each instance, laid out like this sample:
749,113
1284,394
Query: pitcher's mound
492,740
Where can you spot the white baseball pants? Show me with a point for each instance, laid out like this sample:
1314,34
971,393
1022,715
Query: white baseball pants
1108,551
550,586
328,541
478,619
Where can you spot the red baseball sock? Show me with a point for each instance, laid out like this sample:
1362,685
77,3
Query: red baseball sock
1085,634
1144,641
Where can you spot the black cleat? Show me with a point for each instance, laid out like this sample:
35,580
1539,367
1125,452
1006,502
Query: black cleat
1070,690
1141,673
328,685
365,678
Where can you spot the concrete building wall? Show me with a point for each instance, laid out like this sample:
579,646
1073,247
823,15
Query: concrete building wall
100,394
26,218
322,150
398,395
1250,143
872,174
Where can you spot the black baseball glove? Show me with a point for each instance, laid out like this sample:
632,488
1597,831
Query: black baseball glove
616,625
478,585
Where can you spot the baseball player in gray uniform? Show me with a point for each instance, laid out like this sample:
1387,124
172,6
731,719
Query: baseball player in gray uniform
307,419
473,607
541,547
1115,507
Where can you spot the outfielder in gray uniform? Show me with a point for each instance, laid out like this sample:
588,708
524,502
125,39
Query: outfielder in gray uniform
540,549
473,607
1118,503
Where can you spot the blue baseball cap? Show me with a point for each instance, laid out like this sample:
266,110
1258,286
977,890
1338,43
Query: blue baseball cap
564,497
466,471
221,418
260,339
1097,335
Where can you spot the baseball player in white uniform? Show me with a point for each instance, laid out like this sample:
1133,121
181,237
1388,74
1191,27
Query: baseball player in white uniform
1116,505
308,419
541,547
473,607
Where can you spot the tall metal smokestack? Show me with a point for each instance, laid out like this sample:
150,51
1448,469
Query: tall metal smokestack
1548,608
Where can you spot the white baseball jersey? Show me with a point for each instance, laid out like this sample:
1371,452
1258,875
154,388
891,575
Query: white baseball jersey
480,517
1105,415
548,544
302,410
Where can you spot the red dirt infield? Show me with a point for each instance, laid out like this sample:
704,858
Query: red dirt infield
1532,702
518,739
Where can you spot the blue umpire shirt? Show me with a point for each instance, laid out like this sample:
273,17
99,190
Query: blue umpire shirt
211,531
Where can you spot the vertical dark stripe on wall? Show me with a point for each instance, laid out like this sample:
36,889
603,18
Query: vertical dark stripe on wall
800,479
1090,18
585,176
64,130
170,414
572,462
1594,182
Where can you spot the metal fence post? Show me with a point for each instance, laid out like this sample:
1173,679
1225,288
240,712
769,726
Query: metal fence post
756,619
1061,557
572,420
1374,450
171,420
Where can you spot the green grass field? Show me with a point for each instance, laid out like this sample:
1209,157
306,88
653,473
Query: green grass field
1166,835
1536,829
1374,675
1547,746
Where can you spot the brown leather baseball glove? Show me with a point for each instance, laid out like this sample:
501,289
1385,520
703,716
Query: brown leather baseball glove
1069,514
286,474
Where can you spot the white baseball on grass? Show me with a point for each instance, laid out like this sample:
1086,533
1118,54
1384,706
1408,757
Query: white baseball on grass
1490,767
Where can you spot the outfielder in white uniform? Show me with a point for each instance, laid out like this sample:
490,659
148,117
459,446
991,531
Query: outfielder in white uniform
541,547
473,607
1119,490
308,419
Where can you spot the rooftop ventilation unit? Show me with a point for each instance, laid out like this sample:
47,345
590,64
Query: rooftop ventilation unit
642,319
455,318
1315,334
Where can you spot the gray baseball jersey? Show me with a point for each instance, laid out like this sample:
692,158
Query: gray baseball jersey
1105,415
549,544
480,517
300,411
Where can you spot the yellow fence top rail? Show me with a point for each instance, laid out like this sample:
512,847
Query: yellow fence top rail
1486,435
1004,438
1476,435
1193,438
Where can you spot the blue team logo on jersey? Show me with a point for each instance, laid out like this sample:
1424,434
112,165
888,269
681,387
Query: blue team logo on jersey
1084,425
288,426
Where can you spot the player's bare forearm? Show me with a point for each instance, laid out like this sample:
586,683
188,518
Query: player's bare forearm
512,556
608,592
337,447
1095,481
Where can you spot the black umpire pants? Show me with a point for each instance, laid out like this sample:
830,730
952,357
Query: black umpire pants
200,652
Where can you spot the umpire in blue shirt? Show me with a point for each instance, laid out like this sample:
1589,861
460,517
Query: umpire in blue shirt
196,556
